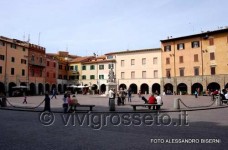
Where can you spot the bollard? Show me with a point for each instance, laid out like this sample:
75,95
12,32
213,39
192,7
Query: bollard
176,104
112,105
218,100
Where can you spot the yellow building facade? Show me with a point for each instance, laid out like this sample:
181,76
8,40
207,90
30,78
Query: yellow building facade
194,62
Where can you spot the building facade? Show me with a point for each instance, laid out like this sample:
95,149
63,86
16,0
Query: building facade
195,62
138,70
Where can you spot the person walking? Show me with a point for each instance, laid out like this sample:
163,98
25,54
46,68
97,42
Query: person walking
196,94
25,100
65,103
129,95
47,105
54,92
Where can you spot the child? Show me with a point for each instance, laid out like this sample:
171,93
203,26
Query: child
25,100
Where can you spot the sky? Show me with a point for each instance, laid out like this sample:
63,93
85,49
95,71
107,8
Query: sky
84,27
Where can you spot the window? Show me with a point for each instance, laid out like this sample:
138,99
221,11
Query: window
212,70
122,63
23,72
2,57
132,74
12,71
60,67
143,74
92,76
53,75
41,60
196,71
76,67
92,67
0,69
155,73
195,44
181,72
47,74
143,61
2,43
65,77
13,46
168,74
155,60
24,49
23,61
48,63
110,66
101,76
211,41
12,59
196,58
41,72
180,46
132,61
71,67
122,75
101,67
60,76
32,73
167,48
84,77
167,61
110,57
212,56
33,58
54,64
181,59
83,67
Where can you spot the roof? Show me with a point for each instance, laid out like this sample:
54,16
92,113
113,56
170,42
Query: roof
203,35
99,61
81,59
134,51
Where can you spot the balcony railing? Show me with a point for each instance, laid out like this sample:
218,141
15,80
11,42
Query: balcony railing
36,63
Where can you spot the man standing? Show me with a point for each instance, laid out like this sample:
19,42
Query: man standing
110,95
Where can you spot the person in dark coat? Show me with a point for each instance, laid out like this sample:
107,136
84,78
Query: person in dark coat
47,105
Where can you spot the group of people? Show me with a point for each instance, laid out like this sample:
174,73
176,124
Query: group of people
69,103
121,95
154,98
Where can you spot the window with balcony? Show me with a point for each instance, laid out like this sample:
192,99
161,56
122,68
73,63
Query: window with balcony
180,46
167,48
41,60
195,44
101,67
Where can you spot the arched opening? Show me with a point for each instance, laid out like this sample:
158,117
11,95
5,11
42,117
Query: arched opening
198,87
144,88
32,89
60,88
182,89
226,86
53,87
94,87
11,90
156,88
103,88
133,88
47,87
168,89
2,88
40,89
213,86
123,86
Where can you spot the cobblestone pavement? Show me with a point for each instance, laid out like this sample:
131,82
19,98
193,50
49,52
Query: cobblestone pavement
100,129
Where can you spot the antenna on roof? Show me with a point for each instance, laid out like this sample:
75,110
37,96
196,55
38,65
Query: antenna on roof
67,47
28,38
39,39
